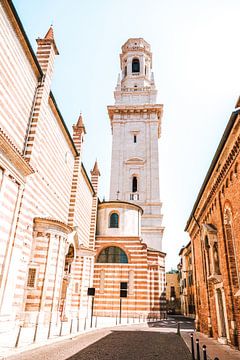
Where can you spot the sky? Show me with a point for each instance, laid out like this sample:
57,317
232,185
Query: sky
196,58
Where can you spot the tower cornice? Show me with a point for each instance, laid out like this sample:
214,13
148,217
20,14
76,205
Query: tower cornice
131,109
137,109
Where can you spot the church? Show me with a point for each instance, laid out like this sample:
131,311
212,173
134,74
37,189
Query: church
61,247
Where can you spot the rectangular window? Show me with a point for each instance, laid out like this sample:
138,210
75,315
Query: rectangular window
31,277
134,138
172,291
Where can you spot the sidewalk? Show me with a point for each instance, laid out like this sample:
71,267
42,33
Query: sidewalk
8,339
214,348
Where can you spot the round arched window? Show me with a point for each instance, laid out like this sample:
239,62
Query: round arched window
114,220
112,254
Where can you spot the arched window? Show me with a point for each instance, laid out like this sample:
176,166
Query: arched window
114,220
134,184
112,254
135,66
207,253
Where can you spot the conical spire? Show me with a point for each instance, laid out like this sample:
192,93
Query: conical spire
95,170
80,124
49,35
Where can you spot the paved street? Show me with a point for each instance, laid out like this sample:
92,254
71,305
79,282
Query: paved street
135,342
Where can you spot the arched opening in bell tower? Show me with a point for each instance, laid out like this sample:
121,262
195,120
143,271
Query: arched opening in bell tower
135,65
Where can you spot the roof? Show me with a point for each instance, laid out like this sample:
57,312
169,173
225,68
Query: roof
65,129
218,152
155,250
184,247
18,27
87,178
120,202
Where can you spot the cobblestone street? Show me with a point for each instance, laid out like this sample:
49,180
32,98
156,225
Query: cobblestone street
145,341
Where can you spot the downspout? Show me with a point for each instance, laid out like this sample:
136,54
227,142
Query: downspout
234,337
210,334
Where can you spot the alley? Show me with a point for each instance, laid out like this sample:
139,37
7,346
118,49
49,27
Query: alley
156,340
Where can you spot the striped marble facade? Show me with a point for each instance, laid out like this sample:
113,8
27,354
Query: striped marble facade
143,272
46,197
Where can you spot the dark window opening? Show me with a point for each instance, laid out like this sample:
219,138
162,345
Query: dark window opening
134,138
112,254
145,70
31,277
135,66
134,184
114,220
172,292
125,71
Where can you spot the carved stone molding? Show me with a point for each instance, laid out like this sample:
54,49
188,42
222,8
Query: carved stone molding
47,225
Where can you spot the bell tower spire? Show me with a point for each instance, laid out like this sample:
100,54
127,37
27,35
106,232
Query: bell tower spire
136,121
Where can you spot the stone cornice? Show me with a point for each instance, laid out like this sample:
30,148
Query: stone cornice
119,204
135,109
13,154
51,224
84,251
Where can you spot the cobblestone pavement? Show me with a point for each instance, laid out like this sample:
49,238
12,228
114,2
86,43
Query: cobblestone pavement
134,342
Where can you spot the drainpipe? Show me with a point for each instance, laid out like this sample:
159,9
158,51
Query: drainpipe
210,333
233,332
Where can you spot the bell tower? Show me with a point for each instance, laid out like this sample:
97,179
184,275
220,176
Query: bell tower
136,123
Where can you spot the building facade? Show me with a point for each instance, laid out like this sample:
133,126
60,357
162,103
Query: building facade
173,304
57,240
187,289
214,230
48,204
123,258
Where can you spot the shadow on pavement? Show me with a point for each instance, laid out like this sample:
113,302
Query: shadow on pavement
171,323
135,345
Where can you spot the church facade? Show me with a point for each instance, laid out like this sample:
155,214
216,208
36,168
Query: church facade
130,224
57,238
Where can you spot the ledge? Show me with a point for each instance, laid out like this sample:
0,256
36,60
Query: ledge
14,155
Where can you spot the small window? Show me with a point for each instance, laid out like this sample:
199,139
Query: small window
172,292
134,184
145,70
114,220
31,277
125,71
134,138
135,66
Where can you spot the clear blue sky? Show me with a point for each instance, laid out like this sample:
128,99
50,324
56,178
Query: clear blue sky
196,59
